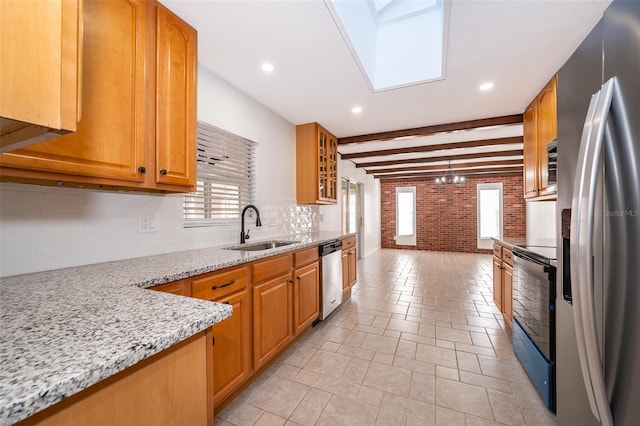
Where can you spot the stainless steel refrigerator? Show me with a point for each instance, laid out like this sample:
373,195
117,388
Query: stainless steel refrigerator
598,285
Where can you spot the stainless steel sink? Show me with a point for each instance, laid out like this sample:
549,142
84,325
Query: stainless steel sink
265,245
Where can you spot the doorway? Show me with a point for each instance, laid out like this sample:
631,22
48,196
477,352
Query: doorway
489,214
352,197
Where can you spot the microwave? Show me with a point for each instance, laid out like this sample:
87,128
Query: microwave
552,166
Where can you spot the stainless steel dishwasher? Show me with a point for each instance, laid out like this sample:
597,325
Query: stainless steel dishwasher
331,274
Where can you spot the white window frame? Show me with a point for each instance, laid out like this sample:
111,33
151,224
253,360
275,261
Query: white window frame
406,240
487,243
226,178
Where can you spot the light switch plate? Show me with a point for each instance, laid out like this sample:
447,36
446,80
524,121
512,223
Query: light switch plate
147,223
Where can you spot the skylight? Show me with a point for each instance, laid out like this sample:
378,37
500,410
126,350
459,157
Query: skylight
396,43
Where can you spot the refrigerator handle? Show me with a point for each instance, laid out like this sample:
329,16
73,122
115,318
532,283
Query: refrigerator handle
582,229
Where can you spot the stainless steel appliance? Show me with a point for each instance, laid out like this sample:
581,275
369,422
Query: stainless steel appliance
331,275
534,279
598,313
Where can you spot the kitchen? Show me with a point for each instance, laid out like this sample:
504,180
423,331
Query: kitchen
46,228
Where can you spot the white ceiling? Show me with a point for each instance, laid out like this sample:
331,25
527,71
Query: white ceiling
518,45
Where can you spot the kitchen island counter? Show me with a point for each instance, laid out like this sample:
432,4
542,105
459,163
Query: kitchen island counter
67,329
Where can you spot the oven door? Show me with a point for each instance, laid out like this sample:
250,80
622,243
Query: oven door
534,299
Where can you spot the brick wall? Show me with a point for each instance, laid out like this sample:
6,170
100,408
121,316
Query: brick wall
447,215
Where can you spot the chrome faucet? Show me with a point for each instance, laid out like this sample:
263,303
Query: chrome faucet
243,236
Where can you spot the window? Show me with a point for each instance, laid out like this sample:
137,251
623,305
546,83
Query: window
489,213
226,178
406,216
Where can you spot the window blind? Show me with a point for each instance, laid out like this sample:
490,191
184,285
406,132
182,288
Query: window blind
226,178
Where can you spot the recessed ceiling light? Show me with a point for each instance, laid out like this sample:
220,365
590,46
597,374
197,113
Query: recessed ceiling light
267,67
356,110
485,87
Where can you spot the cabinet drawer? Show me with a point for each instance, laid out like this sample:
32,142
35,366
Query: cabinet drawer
181,288
271,267
217,284
347,243
304,257
497,250
507,256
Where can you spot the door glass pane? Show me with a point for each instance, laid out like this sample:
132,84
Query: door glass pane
353,196
405,213
489,213
345,206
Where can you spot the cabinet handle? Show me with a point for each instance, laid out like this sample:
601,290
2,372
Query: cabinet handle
215,287
163,172
142,169
290,281
298,278
213,341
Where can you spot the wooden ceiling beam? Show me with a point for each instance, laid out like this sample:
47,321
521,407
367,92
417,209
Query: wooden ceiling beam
386,178
436,147
467,172
457,166
456,157
430,130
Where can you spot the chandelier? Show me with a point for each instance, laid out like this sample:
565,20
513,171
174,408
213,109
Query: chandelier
450,178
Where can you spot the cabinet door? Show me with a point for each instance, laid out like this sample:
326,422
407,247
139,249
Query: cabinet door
345,270
272,322
332,192
547,129
306,296
507,292
323,164
353,265
231,351
175,100
40,76
181,288
497,282
110,139
530,151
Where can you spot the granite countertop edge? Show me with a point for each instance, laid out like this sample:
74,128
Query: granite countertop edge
110,297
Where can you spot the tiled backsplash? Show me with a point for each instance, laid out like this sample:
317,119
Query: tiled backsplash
283,217
44,228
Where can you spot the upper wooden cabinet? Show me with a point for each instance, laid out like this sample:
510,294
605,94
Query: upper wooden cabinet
540,128
138,121
40,70
316,165
175,100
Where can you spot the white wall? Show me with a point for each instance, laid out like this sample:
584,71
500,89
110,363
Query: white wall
372,225
541,222
45,228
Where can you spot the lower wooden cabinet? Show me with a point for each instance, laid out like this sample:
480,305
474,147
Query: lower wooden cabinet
497,282
166,389
507,292
229,341
349,265
273,299
272,319
306,296
230,349
503,281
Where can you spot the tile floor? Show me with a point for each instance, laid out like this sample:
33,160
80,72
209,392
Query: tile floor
419,343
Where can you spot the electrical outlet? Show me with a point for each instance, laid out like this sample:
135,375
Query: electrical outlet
147,223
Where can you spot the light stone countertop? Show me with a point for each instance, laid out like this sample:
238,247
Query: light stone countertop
62,331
